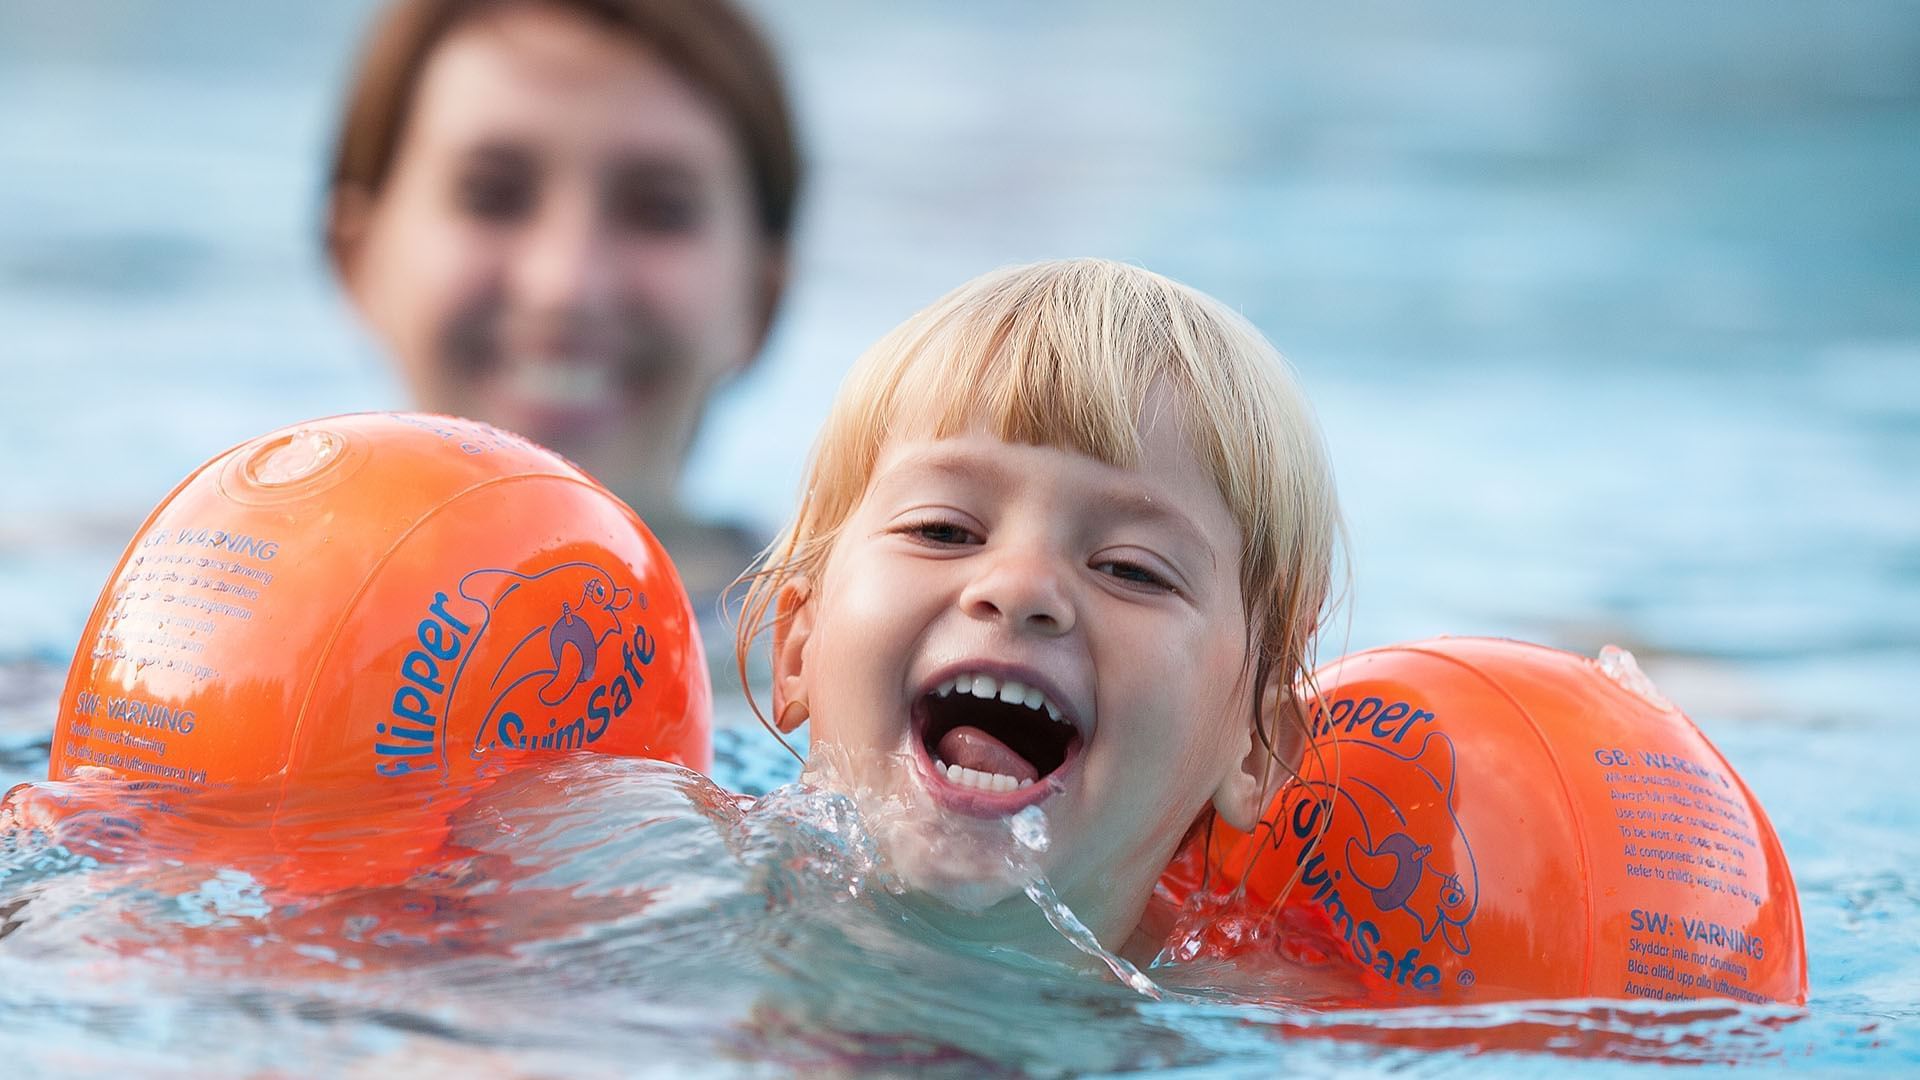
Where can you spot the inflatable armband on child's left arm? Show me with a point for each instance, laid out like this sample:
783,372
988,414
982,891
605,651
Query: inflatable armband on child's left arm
1495,819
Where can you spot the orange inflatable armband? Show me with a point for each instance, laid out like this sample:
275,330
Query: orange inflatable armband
382,604
1508,820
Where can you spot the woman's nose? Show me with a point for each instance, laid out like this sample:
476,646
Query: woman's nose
1024,587
563,261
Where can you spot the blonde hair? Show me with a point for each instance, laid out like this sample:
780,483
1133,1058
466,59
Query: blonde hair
1064,354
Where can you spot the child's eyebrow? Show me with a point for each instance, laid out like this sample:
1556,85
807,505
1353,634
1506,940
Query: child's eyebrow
1150,511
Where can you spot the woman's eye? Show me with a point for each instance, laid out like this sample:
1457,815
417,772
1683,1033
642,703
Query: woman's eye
496,194
651,205
1134,574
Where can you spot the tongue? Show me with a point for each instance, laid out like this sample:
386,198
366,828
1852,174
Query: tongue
972,748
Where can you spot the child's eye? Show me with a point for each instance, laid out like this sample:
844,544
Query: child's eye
937,532
1134,574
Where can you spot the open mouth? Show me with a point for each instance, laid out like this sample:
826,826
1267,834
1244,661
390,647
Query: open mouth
994,734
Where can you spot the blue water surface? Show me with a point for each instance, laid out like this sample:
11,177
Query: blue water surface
1611,315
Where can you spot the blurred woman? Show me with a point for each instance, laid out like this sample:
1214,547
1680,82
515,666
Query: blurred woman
570,218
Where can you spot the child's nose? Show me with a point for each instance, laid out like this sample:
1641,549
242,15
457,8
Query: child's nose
1023,588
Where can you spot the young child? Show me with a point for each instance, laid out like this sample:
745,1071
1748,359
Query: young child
1064,542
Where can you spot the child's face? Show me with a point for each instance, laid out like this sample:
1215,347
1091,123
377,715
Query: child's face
1112,592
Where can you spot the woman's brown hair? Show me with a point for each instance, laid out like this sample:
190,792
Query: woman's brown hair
710,43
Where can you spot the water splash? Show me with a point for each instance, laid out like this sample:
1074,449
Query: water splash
800,840
1000,857
1062,918
1619,665
612,911
1029,828
225,898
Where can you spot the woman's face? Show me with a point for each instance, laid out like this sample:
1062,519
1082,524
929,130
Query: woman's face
566,245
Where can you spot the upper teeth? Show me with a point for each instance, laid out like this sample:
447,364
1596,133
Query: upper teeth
1011,691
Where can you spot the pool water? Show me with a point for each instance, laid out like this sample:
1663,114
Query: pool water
1613,326
595,912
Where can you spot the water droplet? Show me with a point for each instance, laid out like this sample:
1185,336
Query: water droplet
1620,666
1030,828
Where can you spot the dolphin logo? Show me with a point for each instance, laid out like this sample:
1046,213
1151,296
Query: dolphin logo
1392,872
1409,852
563,616
573,642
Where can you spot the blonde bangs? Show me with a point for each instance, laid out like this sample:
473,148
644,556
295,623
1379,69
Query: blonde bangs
1038,360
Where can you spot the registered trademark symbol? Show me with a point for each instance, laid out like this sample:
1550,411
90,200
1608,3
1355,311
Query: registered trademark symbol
1465,978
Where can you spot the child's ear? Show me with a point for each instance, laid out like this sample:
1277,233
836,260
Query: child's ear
1251,783
792,625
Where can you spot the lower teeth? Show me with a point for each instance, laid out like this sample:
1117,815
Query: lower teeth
985,781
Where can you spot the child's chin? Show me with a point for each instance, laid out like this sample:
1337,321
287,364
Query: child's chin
974,895
970,869
966,863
